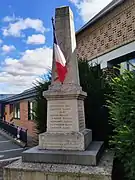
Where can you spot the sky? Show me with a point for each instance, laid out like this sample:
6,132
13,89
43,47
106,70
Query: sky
26,38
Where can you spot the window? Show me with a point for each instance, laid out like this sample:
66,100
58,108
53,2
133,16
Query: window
11,108
16,111
31,110
3,111
131,65
128,65
0,110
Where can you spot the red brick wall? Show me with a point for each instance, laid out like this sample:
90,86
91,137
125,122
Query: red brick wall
23,121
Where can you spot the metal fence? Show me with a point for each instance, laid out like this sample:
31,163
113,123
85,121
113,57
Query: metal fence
15,131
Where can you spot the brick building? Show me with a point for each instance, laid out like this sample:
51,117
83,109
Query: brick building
107,39
18,109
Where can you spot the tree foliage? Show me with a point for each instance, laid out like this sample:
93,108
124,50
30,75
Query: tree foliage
41,104
122,114
95,82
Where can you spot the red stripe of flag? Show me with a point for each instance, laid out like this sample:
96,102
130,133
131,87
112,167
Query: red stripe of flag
61,70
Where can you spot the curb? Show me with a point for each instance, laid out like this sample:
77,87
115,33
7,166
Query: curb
8,136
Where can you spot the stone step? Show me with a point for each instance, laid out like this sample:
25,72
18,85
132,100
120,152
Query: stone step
88,157
41,171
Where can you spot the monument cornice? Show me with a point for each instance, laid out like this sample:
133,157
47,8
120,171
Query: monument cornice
64,95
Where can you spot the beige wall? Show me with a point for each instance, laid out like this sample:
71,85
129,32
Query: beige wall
110,32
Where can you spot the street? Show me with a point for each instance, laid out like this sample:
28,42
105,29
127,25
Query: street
8,149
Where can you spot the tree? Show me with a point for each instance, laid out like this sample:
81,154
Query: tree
93,81
41,104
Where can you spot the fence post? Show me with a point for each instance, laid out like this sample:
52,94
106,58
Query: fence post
18,132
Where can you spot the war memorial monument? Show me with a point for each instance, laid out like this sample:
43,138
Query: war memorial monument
66,150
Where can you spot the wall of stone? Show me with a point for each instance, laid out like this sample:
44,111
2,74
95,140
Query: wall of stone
19,170
115,29
43,176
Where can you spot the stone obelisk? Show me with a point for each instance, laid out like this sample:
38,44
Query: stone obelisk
66,140
65,102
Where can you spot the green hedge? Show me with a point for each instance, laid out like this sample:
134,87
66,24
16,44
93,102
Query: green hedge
122,114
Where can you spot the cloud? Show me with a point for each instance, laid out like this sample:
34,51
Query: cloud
19,74
5,89
10,18
36,39
89,8
32,62
74,1
7,49
15,29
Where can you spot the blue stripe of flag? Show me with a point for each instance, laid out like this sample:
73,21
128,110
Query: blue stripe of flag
54,34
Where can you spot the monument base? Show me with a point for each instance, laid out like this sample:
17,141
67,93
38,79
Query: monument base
65,141
87,157
42,171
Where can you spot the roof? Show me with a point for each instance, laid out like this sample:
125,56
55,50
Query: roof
113,4
29,93
3,96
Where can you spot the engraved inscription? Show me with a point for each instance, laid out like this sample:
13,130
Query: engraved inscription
65,142
81,114
60,115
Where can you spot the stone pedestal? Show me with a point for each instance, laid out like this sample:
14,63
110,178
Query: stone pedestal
65,121
66,141
70,141
89,157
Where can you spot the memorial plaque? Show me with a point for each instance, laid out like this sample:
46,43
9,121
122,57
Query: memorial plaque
60,115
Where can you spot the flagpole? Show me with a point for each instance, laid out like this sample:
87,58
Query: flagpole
60,60
52,19
53,63
53,23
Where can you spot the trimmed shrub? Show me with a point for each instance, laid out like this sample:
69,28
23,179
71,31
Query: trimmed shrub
122,114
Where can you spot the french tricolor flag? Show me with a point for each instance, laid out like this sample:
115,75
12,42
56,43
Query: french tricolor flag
59,58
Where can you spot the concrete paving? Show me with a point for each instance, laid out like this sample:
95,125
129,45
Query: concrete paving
9,149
